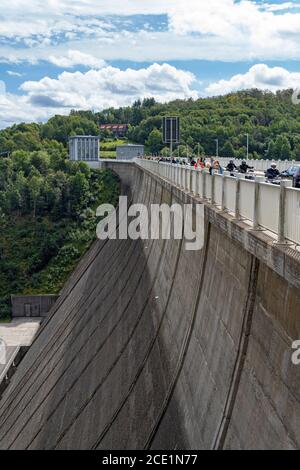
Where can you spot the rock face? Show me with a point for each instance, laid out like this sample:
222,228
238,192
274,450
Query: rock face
153,346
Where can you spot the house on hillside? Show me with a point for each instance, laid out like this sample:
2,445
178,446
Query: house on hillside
117,130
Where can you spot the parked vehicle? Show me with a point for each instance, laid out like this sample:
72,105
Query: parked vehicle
290,172
296,178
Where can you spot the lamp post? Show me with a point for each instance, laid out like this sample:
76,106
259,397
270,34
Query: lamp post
247,135
217,147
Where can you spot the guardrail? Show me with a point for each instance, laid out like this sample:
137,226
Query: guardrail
266,206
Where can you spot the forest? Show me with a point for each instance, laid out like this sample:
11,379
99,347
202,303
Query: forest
47,218
271,120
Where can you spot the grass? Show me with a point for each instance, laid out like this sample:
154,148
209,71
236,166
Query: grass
110,145
108,154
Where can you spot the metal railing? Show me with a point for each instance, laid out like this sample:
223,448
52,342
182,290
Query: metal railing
260,165
266,206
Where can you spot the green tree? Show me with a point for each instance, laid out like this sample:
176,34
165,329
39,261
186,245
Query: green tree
227,150
35,185
154,141
286,151
271,152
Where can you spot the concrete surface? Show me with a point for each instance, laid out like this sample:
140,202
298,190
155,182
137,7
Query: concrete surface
153,346
20,332
17,335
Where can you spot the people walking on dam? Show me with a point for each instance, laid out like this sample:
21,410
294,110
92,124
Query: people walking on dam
231,166
272,172
200,163
218,168
209,163
244,167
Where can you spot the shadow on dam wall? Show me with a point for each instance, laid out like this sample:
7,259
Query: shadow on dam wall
153,346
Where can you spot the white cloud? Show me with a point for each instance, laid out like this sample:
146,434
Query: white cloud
280,6
73,58
14,74
212,30
246,24
45,17
111,86
95,89
259,76
2,87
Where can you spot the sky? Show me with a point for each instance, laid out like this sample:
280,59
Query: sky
58,55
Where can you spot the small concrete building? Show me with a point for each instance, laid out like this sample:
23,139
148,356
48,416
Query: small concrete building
32,305
84,148
129,151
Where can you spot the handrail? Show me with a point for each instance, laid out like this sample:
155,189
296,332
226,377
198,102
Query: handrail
266,206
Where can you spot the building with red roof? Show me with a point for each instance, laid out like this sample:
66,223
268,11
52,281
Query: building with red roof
118,130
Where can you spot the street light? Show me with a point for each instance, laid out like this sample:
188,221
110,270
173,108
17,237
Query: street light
217,147
247,135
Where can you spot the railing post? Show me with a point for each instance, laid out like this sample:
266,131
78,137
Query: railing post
213,179
258,181
186,183
237,196
204,174
198,176
223,205
281,217
191,180
182,177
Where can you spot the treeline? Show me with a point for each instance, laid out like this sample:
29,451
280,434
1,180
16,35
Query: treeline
45,183
271,120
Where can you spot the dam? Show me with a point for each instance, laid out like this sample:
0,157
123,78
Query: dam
151,346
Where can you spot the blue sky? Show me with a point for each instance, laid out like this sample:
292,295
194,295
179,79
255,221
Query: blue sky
57,55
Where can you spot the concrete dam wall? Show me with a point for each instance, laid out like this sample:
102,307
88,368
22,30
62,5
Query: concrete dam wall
153,346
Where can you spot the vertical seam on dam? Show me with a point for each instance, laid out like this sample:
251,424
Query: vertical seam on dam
184,349
240,357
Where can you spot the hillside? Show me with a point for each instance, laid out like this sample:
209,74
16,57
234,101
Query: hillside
47,218
47,204
271,120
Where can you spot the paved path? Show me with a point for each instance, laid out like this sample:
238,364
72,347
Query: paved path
20,332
